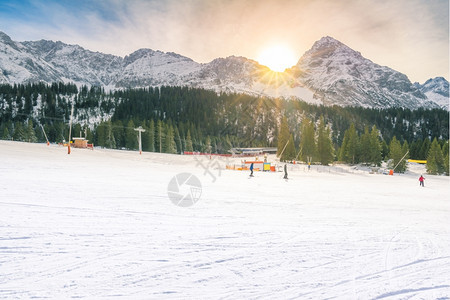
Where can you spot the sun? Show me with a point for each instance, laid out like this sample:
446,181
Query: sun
277,58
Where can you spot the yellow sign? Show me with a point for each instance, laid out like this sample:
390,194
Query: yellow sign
417,161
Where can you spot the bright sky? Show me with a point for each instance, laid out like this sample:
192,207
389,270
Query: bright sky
410,36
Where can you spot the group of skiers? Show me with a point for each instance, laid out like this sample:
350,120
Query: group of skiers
285,171
421,178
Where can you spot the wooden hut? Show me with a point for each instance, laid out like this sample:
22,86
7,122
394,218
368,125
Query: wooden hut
80,142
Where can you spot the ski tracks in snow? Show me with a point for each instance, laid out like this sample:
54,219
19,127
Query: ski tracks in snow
108,229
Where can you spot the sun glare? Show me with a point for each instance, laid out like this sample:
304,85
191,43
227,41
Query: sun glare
277,58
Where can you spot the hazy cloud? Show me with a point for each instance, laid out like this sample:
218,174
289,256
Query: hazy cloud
410,36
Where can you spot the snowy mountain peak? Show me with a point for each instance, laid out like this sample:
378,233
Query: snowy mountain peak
233,60
146,53
328,46
235,69
6,40
326,41
339,74
330,73
331,45
436,90
138,54
438,85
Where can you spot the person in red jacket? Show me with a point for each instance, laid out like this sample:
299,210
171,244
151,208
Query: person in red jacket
421,180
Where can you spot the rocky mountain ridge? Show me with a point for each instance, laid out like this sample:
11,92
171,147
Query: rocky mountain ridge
330,73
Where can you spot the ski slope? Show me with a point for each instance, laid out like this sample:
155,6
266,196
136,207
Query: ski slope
99,224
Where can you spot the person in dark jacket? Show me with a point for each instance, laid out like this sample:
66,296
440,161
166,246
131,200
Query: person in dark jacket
251,170
285,172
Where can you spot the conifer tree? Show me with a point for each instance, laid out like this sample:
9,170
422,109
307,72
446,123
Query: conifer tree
160,136
350,146
307,140
6,135
342,151
30,135
177,138
208,148
384,150
183,144
283,136
101,134
110,141
425,148
365,146
414,149
189,147
375,147
9,127
227,145
199,146
214,146
435,159
144,136
88,134
131,136
169,142
445,152
324,145
446,164
49,130
405,156
39,134
396,154
290,152
28,107
119,133
76,130
151,136
445,148
19,134
353,148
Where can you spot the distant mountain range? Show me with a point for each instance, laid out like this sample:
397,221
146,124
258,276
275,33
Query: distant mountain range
330,73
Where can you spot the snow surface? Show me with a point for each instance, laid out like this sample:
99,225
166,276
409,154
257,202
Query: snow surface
442,101
100,224
286,91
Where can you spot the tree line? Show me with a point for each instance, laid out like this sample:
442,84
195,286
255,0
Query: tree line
178,119
367,148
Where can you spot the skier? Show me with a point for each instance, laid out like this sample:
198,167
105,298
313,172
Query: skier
251,170
285,172
421,180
